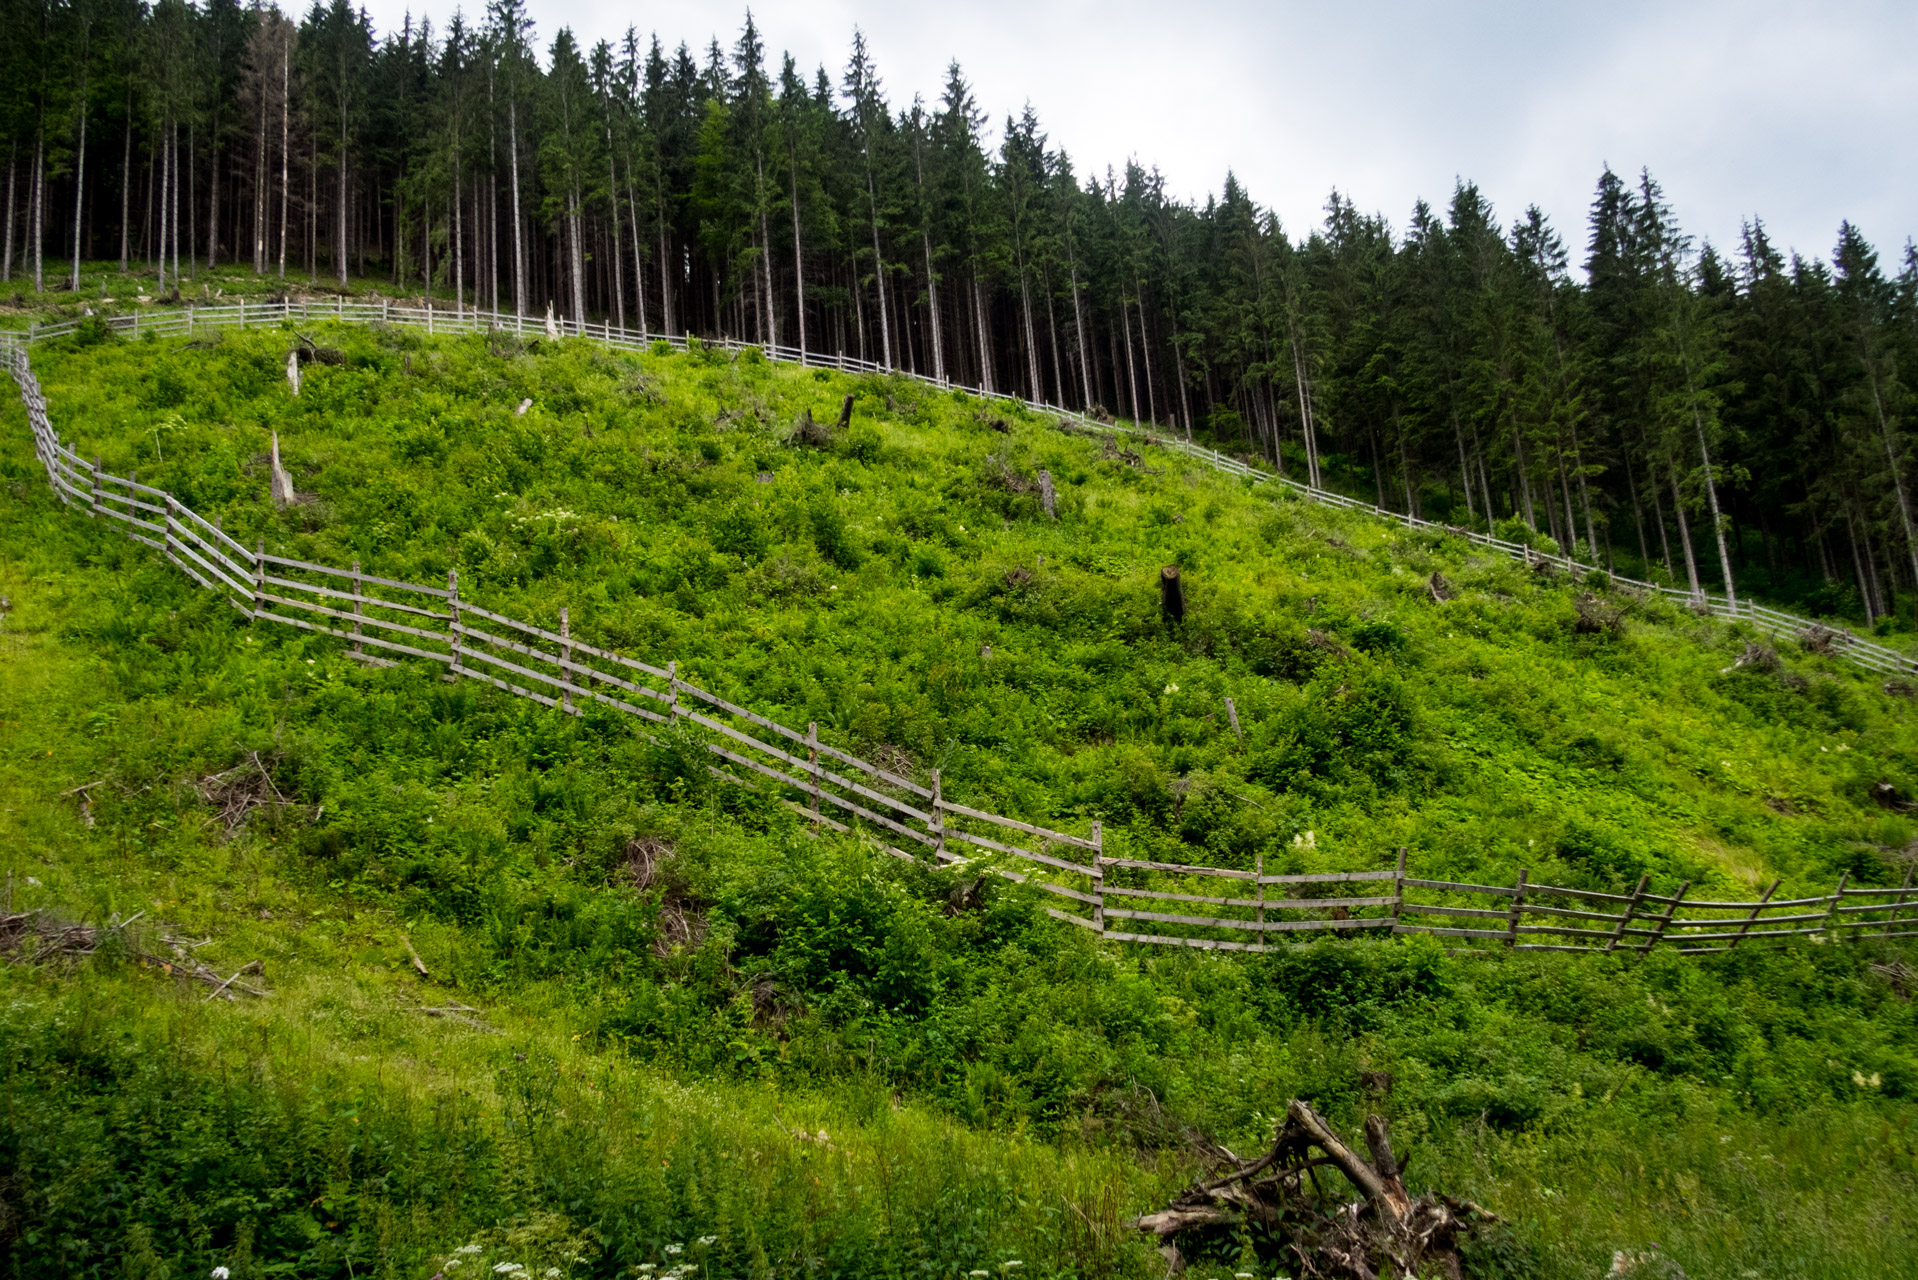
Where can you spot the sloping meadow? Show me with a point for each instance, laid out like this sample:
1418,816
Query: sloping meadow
686,989
898,583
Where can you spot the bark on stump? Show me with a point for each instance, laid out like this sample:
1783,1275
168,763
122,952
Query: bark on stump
1387,1232
1171,594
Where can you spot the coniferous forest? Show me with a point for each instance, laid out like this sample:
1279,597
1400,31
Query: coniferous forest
1722,415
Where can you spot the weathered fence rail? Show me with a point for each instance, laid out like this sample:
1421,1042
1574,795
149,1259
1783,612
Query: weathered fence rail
190,319
383,620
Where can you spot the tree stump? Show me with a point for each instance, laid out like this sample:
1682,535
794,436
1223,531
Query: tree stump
1387,1232
1171,594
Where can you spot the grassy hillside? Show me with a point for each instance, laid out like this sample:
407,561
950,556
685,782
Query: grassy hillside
686,989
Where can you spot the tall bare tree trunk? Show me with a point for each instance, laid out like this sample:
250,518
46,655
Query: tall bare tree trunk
579,260
183,206
612,243
1684,531
126,188
160,182
878,265
1131,368
459,240
665,282
1891,459
6,253
1718,522
213,206
1079,326
1858,563
519,245
342,230
261,185
639,259
80,178
1033,388
985,336
799,261
39,208
286,130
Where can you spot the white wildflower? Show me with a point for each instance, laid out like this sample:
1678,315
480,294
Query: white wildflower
1172,688
551,1273
675,1248
978,1275
451,1263
220,1273
507,1269
468,1249
707,1242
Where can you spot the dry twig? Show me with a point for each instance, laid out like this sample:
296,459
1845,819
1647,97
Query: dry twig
1278,1198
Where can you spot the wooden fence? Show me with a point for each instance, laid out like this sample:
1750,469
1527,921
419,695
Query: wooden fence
190,319
382,620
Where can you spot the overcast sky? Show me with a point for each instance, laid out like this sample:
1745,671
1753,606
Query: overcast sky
1800,113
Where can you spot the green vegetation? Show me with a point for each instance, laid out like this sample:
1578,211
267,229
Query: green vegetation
689,989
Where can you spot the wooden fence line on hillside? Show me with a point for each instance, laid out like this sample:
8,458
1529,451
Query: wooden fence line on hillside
554,668
1776,623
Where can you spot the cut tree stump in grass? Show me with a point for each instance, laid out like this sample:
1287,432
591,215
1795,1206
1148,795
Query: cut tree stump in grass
1171,594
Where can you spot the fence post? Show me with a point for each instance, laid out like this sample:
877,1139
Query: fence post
1745,928
1837,896
566,658
672,688
1518,905
1099,877
453,628
1258,884
1232,715
1664,921
1398,887
938,815
259,576
1631,909
358,649
1898,905
812,761
93,483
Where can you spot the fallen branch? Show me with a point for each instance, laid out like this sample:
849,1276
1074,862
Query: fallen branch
460,1013
1278,1199
43,938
